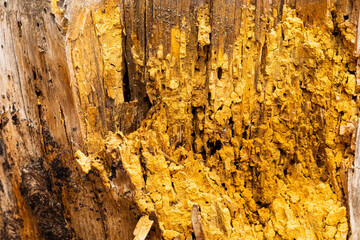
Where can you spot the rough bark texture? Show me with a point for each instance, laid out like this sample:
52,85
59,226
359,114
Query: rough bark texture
206,119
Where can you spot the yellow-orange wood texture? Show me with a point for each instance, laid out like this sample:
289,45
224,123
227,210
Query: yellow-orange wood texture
114,111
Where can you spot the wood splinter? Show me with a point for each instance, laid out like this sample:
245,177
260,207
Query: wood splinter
354,190
142,228
196,222
168,157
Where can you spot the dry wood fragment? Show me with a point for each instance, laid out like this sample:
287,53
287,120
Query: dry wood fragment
168,157
196,222
142,228
354,190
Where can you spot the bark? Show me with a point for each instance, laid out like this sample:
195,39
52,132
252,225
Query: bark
155,119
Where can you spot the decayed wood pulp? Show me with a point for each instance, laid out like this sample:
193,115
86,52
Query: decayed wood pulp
177,119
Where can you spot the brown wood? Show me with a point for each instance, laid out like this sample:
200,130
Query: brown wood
196,222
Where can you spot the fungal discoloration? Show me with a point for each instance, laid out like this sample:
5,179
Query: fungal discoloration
37,192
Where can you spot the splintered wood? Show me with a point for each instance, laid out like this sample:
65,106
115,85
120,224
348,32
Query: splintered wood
196,222
354,190
142,228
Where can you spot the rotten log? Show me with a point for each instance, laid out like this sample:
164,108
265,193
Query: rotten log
116,109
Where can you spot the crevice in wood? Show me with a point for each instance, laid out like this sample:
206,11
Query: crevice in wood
126,85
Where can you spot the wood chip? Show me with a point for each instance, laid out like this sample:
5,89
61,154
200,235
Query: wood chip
142,228
196,222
